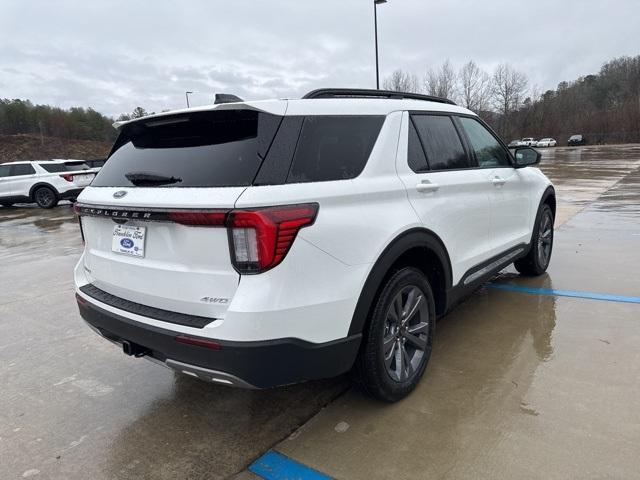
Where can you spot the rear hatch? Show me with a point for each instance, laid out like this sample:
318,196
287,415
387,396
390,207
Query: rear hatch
141,244
76,172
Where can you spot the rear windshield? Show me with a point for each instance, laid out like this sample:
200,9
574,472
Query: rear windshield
203,149
64,167
239,148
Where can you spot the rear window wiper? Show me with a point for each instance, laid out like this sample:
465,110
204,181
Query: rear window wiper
140,179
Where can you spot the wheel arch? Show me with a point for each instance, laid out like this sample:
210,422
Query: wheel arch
35,186
420,248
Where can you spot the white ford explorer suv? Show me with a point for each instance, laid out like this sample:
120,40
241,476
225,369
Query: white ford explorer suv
44,182
258,244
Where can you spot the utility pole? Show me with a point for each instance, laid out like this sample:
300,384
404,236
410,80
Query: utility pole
375,23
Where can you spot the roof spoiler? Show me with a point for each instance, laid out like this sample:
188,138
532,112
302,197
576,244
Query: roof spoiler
226,98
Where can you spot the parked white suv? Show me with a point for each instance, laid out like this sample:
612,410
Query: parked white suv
258,244
44,182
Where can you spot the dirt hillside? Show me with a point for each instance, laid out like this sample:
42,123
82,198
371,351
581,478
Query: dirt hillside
32,147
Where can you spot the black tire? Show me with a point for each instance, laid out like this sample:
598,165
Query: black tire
539,256
45,197
397,341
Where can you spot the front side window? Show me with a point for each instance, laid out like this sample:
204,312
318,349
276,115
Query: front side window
5,170
488,150
333,147
441,142
22,169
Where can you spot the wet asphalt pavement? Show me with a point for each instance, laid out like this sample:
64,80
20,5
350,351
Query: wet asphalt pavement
520,385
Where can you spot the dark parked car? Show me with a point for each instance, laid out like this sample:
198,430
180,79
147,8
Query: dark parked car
576,140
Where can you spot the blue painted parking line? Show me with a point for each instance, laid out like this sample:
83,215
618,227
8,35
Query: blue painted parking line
275,466
509,287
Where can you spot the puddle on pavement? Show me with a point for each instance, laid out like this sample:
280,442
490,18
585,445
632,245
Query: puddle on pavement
582,173
27,229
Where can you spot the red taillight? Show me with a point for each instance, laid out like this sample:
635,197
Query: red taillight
199,342
67,177
260,238
208,219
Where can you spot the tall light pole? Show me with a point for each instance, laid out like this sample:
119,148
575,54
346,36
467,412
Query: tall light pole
186,94
375,22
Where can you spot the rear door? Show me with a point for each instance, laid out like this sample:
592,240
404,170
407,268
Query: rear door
450,197
152,217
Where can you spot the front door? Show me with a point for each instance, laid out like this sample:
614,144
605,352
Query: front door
509,192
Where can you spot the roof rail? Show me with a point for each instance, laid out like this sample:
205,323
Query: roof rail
367,93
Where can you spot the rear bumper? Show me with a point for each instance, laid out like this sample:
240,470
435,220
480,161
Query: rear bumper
261,364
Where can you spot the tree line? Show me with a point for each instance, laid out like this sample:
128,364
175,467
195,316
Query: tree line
23,117
77,123
604,106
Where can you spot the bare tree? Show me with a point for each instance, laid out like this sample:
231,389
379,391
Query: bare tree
441,82
400,81
508,89
475,87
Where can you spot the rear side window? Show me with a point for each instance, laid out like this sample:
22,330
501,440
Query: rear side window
488,150
201,149
441,142
5,170
22,169
416,157
333,147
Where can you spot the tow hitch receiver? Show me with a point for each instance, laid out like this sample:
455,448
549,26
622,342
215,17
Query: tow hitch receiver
133,349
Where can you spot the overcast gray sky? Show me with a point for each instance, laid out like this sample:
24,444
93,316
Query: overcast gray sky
114,55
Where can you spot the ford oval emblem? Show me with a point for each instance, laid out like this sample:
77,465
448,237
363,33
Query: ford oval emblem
119,194
126,242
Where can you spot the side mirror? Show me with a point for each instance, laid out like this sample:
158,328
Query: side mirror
526,156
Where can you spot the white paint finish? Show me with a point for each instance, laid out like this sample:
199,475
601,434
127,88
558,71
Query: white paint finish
182,264
513,206
310,296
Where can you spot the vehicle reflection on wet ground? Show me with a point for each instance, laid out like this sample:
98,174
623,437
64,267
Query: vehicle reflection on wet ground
519,385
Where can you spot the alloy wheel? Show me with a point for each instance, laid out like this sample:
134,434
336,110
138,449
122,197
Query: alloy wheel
406,334
545,239
44,197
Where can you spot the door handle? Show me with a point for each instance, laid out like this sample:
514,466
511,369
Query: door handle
498,181
426,186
